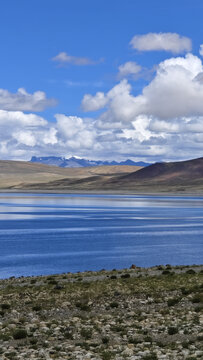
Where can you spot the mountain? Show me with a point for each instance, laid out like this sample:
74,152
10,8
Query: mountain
74,162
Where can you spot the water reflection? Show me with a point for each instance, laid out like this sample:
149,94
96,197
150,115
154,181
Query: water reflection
44,234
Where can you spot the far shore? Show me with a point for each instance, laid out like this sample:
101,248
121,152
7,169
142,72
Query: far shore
196,193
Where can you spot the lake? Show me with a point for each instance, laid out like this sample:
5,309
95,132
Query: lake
56,233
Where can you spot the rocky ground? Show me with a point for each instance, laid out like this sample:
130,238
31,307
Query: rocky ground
133,314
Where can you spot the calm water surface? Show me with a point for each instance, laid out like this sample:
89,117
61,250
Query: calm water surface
45,234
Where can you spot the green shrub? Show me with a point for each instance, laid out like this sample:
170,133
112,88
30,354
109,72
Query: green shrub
106,355
166,272
113,304
191,272
125,276
5,306
151,356
172,330
19,334
36,308
173,301
196,299
105,340
86,333
82,306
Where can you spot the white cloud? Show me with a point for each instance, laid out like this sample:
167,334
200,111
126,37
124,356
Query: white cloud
94,103
161,42
11,119
63,58
24,101
174,92
75,132
25,138
201,50
165,121
129,68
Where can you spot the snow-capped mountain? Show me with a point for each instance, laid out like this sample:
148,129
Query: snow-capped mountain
73,162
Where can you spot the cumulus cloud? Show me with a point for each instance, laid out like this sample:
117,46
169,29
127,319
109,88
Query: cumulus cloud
171,42
129,68
175,91
63,58
165,120
201,50
75,132
24,101
94,103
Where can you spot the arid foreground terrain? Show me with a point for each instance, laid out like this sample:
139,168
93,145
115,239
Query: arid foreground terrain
135,313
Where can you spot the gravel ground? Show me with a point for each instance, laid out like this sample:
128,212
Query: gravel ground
136,313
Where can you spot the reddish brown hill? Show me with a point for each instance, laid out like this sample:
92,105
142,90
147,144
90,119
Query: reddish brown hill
182,174
173,172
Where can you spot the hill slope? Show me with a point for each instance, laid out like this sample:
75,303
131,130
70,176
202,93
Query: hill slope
173,175
24,175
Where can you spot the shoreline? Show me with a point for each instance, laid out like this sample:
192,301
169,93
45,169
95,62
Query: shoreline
102,192
97,274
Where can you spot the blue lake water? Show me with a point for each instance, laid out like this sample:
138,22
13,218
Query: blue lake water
46,234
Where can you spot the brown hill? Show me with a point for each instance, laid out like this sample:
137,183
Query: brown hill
24,175
180,175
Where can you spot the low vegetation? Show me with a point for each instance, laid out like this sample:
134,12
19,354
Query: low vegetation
127,314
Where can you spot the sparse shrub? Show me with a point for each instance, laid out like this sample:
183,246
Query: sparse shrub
106,355
113,304
113,277
148,339
151,356
53,282
172,330
105,340
36,308
82,306
166,272
191,272
68,335
19,334
185,291
172,302
196,299
5,306
33,341
33,281
83,345
125,276
86,333
5,337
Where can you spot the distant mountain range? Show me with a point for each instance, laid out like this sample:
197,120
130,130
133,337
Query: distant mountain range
74,162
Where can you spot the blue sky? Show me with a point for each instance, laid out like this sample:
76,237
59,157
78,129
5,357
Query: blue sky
90,90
